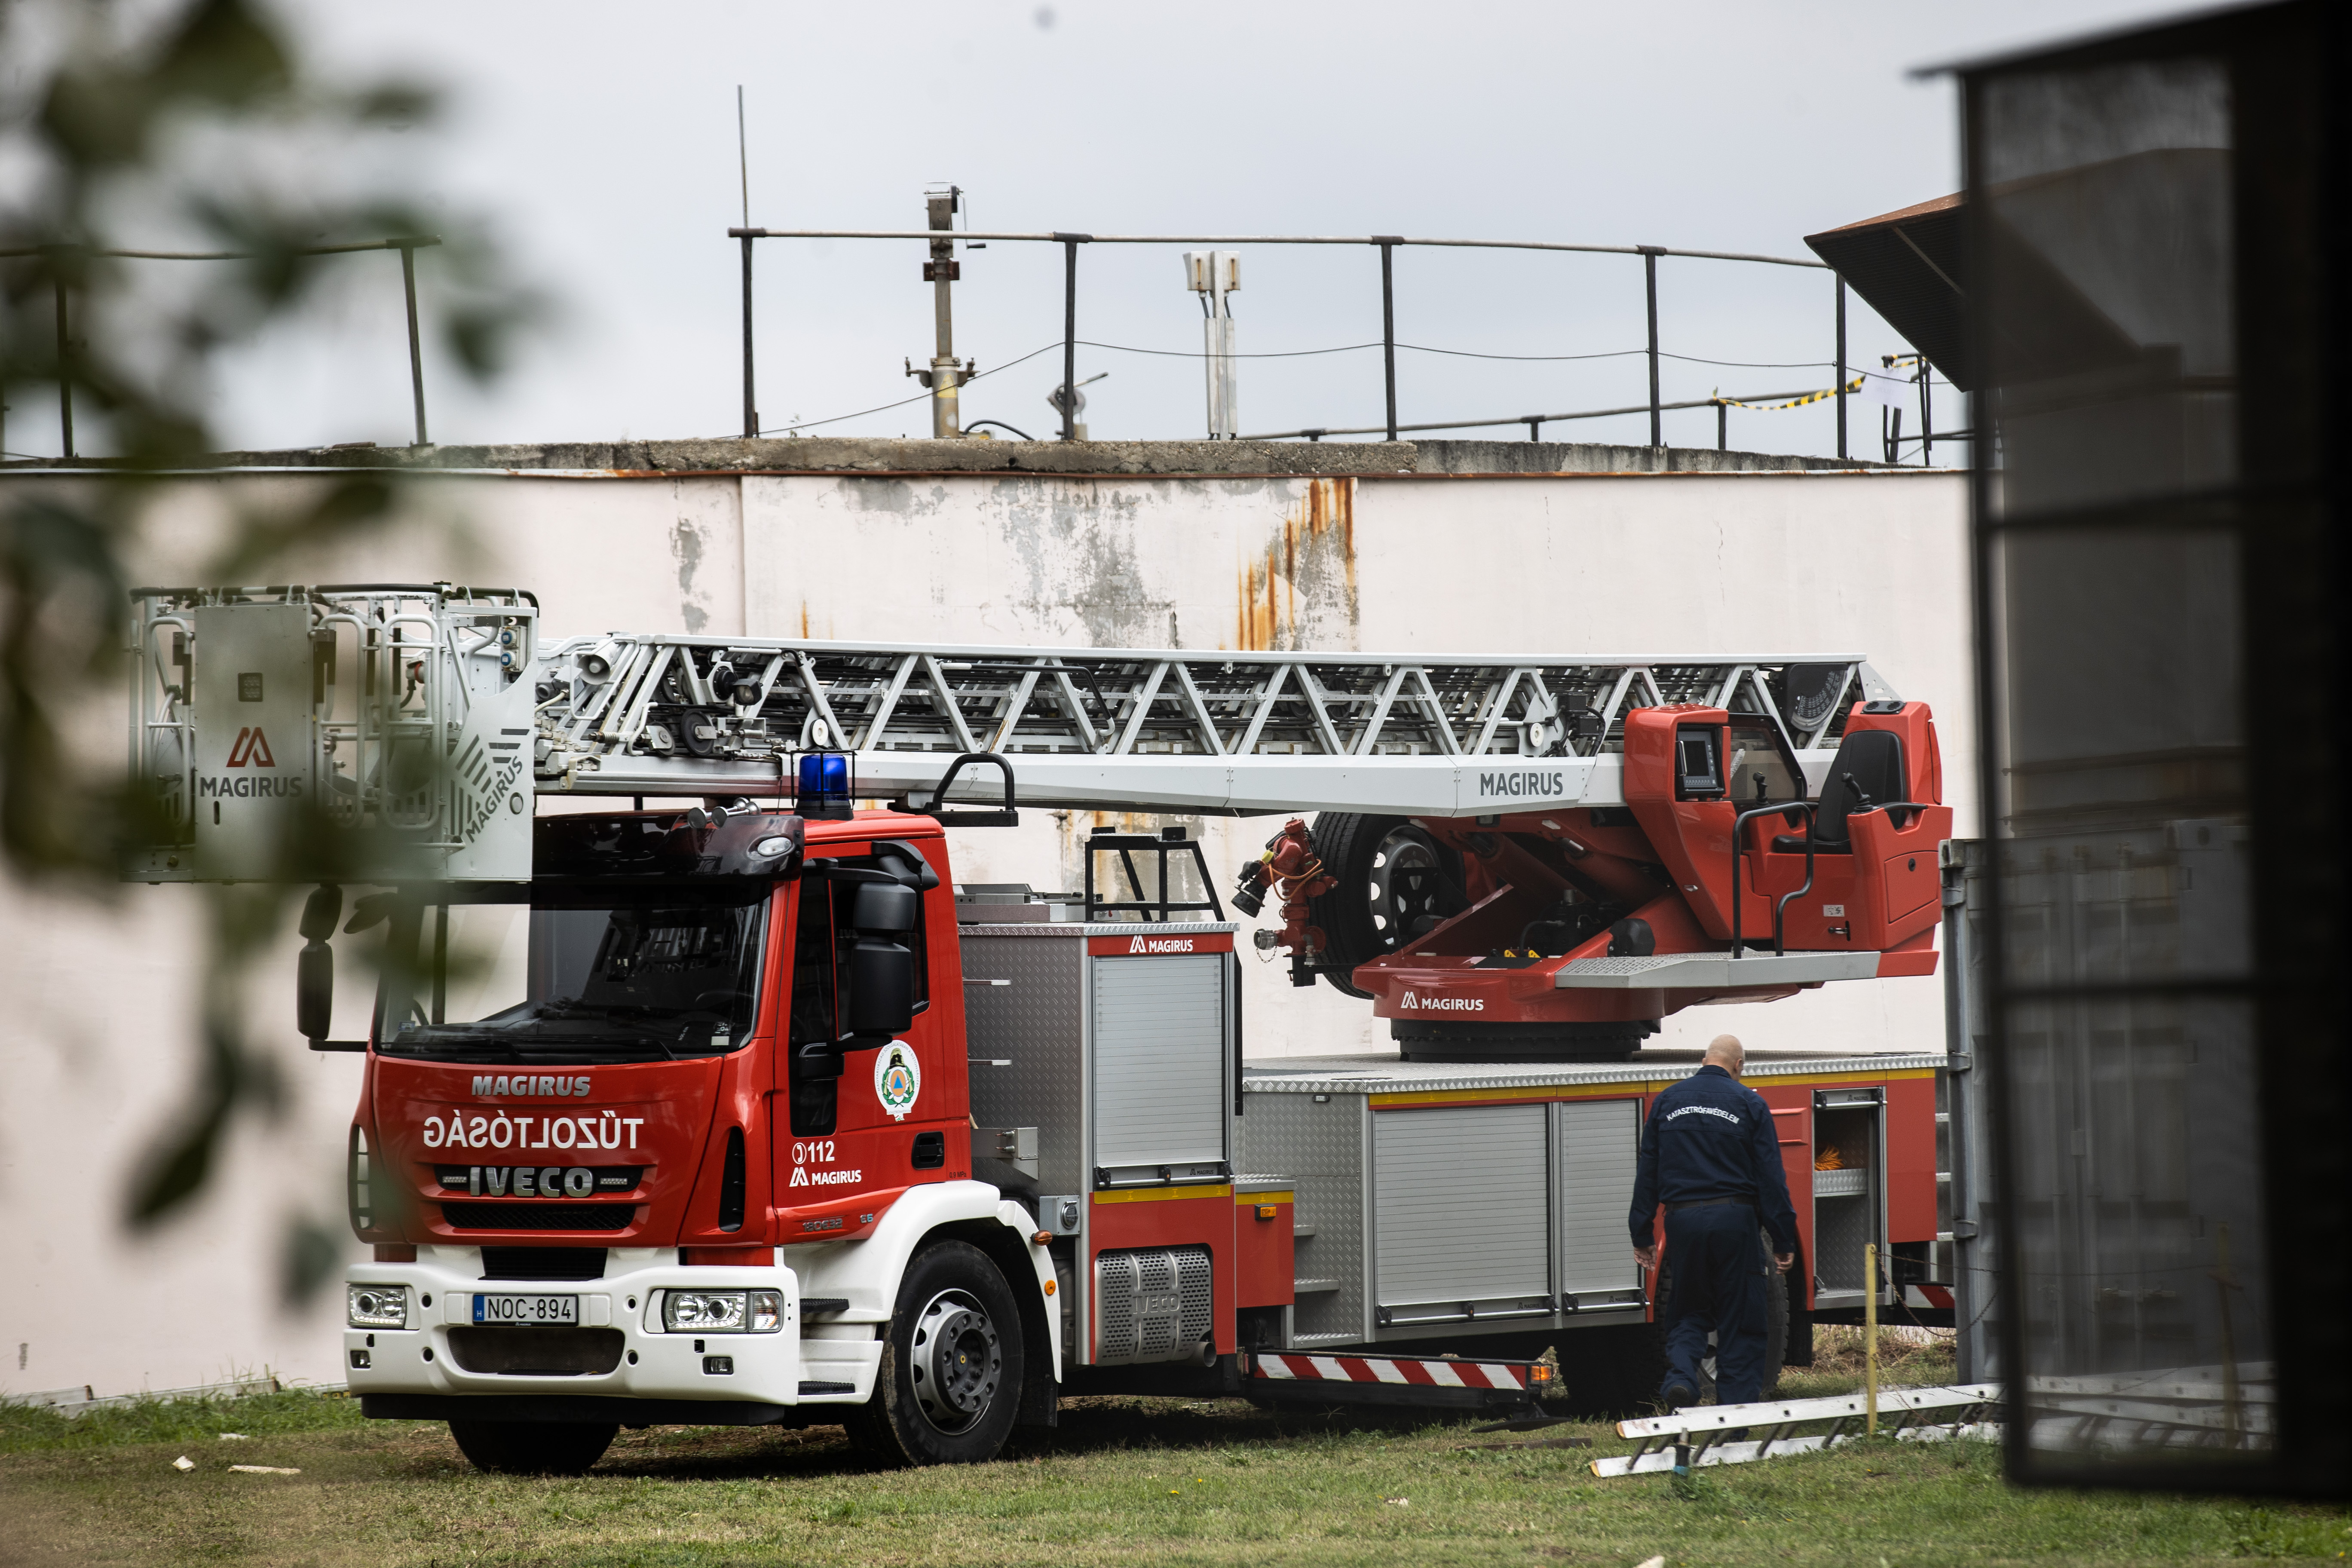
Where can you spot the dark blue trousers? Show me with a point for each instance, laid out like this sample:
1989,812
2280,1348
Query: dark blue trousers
1717,1263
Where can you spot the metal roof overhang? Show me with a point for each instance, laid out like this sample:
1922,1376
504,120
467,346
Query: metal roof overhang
1907,267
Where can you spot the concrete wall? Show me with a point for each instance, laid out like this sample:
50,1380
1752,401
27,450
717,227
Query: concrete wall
1154,548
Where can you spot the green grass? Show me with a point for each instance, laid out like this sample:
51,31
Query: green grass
1119,1482
25,1428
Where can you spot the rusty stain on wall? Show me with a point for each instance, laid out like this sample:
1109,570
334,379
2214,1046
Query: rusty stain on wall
1301,590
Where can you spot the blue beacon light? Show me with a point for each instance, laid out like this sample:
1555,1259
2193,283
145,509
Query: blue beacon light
824,786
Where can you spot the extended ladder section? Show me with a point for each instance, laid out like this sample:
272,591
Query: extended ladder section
1215,732
419,719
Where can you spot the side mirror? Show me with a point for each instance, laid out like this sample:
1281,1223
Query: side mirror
314,971
888,906
881,1000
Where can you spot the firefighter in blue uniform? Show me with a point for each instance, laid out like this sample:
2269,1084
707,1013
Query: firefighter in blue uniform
1710,1155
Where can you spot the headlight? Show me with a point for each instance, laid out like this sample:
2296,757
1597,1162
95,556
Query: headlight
705,1312
379,1306
722,1311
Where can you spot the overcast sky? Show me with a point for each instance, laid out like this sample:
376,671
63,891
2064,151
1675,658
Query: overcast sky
599,138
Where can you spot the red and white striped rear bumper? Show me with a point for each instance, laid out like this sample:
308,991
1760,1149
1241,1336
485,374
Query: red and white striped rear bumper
1398,1380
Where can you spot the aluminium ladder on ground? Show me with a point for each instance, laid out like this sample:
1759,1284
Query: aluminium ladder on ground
1920,1414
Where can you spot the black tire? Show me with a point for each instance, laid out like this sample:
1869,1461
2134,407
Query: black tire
1428,1040
1612,1371
952,1367
1370,912
533,1447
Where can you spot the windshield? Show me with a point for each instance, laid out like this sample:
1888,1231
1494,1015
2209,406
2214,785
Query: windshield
600,974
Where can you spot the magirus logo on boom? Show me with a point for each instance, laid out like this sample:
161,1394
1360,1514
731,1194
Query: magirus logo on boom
1410,1002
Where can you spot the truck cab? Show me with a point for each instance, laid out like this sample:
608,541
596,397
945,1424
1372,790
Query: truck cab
596,1106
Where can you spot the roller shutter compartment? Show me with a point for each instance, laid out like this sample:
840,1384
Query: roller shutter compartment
1159,1061
1461,1214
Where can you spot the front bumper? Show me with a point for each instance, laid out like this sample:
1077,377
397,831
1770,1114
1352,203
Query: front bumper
395,1370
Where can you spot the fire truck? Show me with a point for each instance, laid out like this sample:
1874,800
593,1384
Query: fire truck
739,1107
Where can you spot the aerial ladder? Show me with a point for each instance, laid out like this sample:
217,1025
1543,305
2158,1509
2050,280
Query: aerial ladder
1512,857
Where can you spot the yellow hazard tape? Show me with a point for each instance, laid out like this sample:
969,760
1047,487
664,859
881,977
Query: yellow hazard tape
1854,385
1889,361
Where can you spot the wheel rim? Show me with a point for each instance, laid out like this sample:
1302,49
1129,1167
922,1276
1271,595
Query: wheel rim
1403,885
958,1360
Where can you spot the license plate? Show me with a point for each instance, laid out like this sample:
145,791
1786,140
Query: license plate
548,1309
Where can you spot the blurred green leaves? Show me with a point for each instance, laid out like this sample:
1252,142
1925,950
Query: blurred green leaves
103,109
186,128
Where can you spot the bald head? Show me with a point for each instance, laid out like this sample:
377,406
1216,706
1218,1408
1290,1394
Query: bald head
1724,1051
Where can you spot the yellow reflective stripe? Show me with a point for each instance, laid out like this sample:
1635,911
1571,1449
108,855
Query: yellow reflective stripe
1624,1091
1249,1198
1161,1195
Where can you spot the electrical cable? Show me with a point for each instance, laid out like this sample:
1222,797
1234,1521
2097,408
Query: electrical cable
1467,353
1306,353
1471,354
919,397
1751,363
1194,353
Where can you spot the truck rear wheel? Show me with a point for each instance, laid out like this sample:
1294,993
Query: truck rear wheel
950,1379
533,1447
1612,1371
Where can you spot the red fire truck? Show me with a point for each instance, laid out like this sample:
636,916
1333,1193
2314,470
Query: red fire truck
749,1113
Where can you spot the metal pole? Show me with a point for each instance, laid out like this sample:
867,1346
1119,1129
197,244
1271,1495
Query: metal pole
65,365
1650,274
440,966
1070,338
750,398
1722,426
1926,414
947,419
1388,244
1841,364
1870,1340
415,345
1967,1093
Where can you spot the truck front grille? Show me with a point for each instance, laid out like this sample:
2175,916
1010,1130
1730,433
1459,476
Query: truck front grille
539,1216
508,1350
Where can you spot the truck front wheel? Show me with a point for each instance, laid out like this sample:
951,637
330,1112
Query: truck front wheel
533,1448
949,1382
